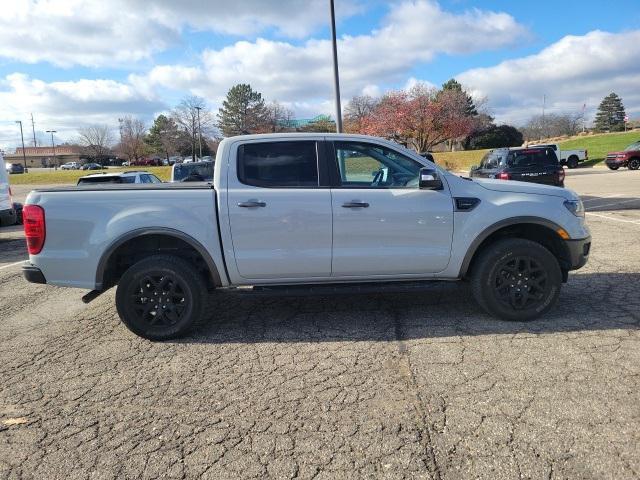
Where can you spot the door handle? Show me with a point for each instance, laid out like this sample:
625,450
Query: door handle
355,205
252,203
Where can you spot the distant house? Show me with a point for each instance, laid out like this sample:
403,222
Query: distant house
45,156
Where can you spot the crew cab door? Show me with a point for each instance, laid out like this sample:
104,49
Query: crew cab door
280,219
383,224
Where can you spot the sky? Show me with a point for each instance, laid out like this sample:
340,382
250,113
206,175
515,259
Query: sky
75,63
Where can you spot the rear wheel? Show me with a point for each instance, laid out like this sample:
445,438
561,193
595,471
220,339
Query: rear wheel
634,164
161,297
572,161
516,279
613,167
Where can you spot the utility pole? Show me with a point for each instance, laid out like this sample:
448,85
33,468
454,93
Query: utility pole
33,128
53,144
199,131
544,124
24,155
336,77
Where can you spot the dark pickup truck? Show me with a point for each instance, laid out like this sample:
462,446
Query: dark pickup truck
537,165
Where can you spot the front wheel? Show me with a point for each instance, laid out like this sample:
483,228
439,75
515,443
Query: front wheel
613,167
161,297
572,162
516,279
634,164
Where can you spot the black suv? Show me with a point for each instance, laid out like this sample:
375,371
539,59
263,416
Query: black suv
537,165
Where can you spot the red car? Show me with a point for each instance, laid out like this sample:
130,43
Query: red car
147,162
629,157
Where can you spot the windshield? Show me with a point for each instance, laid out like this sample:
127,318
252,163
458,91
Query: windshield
105,179
194,172
633,147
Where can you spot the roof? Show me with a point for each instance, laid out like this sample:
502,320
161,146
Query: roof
115,174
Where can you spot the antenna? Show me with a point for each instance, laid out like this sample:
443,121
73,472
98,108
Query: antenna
33,127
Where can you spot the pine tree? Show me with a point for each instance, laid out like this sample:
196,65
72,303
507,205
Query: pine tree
242,112
610,115
163,136
454,85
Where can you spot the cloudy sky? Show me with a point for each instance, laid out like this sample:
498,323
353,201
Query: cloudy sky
74,63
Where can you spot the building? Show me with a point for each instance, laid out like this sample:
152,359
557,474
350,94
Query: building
45,156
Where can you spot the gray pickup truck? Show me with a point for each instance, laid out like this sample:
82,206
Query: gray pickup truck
305,211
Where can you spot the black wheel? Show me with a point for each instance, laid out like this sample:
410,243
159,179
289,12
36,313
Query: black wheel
161,297
516,279
613,167
634,164
572,162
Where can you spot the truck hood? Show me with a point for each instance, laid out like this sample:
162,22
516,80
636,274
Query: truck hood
525,187
621,153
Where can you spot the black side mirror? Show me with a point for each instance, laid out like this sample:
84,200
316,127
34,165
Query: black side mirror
429,179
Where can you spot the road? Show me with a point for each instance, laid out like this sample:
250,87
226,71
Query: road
417,385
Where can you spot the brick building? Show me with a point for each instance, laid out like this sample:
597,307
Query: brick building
44,156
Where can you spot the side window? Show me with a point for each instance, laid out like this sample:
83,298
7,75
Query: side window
154,179
278,164
491,160
145,179
365,165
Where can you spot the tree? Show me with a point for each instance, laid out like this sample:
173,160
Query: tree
455,86
494,137
96,141
277,117
163,136
242,112
552,125
320,124
185,115
610,115
132,133
357,111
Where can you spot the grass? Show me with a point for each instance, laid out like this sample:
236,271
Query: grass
70,177
459,161
599,145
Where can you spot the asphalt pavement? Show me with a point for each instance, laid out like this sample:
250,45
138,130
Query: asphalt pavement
419,385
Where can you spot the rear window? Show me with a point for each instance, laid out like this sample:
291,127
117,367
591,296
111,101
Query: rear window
193,172
533,157
278,164
91,180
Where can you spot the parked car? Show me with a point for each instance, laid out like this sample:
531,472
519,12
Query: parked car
7,210
295,211
13,168
70,166
119,177
171,160
570,158
147,162
92,166
192,172
534,164
629,157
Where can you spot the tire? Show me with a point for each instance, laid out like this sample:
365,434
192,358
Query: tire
633,164
507,261
613,167
161,277
572,162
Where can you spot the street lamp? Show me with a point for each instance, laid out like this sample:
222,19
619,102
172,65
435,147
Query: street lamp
199,131
55,160
24,155
336,79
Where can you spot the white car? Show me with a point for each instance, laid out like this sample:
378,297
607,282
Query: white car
7,212
119,177
570,158
70,166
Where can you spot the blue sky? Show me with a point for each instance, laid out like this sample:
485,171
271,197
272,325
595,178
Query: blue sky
140,58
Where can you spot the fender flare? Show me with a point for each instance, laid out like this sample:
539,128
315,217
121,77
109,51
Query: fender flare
491,229
141,232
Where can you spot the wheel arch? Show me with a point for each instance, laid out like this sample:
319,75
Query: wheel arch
540,230
105,280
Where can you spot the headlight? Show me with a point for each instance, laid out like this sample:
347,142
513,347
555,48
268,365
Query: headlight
575,207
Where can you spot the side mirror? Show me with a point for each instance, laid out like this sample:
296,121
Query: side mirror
429,179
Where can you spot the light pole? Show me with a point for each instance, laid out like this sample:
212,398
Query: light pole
24,155
336,78
199,131
55,160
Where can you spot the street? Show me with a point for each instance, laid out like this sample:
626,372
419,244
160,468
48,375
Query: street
416,385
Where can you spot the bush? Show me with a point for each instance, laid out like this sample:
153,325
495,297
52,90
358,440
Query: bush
495,137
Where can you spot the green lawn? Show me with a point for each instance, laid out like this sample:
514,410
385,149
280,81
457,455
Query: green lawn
599,145
70,177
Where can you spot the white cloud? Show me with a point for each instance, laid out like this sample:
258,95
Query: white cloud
571,72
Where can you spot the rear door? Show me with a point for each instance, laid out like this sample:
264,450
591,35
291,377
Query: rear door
280,217
537,165
490,164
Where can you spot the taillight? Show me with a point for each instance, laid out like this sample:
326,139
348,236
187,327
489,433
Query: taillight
34,228
503,176
586,154
561,175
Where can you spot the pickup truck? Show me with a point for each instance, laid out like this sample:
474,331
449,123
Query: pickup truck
305,212
629,157
570,158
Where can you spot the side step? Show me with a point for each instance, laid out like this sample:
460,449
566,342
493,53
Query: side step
336,288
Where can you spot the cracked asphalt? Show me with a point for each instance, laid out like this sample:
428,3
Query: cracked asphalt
418,385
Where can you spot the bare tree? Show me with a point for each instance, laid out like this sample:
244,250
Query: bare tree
278,117
96,141
357,110
132,133
552,125
186,117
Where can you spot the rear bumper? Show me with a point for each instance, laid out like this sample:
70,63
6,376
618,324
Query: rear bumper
578,252
33,274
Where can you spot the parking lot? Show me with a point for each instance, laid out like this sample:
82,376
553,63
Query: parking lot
416,385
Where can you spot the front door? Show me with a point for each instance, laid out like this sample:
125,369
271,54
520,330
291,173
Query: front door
280,218
383,224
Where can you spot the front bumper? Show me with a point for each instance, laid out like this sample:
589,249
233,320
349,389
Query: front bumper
33,274
578,252
615,161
